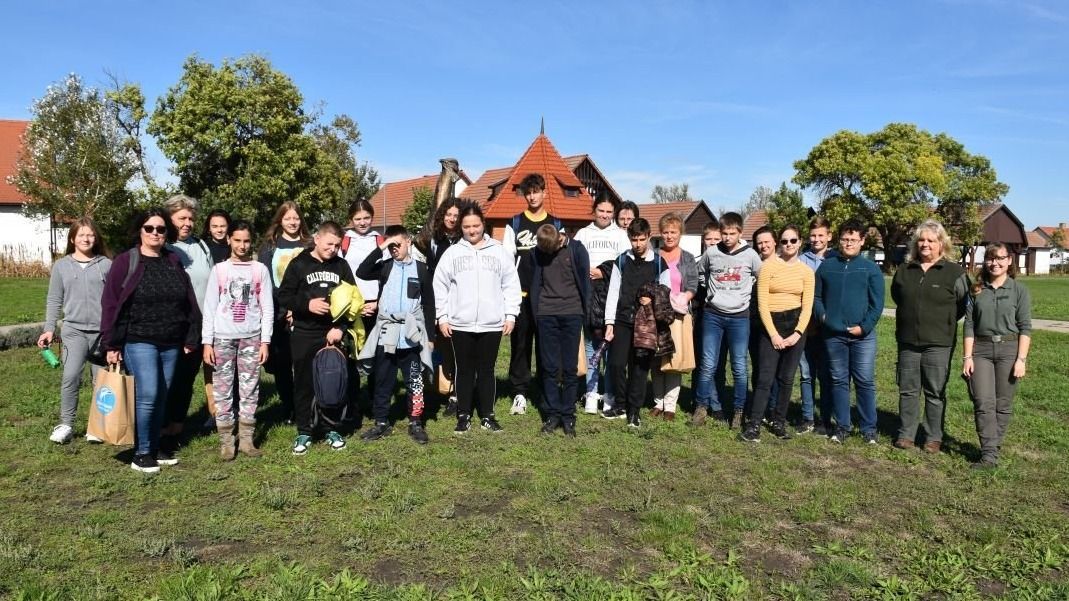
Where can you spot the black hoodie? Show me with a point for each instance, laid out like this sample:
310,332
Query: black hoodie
306,278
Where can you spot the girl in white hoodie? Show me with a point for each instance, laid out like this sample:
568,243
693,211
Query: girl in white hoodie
477,298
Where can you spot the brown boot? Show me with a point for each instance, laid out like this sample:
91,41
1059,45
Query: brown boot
246,429
933,446
226,441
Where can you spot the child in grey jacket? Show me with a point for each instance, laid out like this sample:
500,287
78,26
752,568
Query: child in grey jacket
76,286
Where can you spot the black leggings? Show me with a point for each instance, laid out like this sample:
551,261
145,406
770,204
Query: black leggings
476,354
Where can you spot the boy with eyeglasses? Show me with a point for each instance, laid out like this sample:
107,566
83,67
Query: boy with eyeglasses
848,301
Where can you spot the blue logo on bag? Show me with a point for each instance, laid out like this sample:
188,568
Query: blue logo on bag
105,400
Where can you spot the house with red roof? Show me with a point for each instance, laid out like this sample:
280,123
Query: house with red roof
694,213
394,198
25,238
1054,241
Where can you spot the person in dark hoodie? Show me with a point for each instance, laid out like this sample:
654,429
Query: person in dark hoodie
305,291
560,293
628,368
76,285
149,318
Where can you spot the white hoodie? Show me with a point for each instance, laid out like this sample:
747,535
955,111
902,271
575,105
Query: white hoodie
603,244
476,289
360,246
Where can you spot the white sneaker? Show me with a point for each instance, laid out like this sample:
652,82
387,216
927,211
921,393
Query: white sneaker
61,434
591,403
607,403
92,438
519,405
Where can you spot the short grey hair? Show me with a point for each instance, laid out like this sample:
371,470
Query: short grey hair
178,202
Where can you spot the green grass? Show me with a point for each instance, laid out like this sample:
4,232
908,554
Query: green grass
23,300
1050,296
668,512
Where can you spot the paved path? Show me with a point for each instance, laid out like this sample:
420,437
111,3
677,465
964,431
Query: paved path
1050,325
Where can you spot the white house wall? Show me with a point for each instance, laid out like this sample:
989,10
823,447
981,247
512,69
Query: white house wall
25,239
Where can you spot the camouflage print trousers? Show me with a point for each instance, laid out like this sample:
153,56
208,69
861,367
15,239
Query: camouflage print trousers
239,358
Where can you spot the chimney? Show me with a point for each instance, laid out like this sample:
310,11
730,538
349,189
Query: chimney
1063,225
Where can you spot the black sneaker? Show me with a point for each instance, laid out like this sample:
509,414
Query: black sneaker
463,424
870,438
451,406
489,423
718,417
779,430
751,434
168,444
378,431
840,436
634,421
614,413
551,425
145,463
569,427
164,457
806,427
417,433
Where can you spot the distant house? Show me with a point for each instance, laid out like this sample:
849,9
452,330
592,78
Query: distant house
1059,253
25,238
1037,260
394,198
999,225
571,186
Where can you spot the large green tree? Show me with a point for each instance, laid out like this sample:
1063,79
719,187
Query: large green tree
672,193
76,160
785,207
898,176
415,216
241,140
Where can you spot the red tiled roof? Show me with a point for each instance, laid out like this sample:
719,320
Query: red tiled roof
542,158
753,221
397,196
1037,240
653,212
482,189
10,144
1047,231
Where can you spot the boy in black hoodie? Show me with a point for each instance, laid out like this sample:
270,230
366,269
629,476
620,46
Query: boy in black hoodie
305,290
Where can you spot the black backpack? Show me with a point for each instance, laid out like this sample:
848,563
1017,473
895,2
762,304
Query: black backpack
330,380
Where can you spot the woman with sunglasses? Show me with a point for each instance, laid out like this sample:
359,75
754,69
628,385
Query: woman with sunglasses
149,318
930,292
785,304
998,336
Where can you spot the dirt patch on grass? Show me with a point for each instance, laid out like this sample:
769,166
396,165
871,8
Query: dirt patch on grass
479,507
991,588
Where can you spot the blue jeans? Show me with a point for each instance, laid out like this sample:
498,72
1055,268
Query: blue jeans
153,368
814,368
716,328
851,358
558,347
593,376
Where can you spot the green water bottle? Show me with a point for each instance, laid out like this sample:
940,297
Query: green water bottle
50,358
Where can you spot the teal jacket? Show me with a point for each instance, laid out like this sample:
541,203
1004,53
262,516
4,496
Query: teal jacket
849,292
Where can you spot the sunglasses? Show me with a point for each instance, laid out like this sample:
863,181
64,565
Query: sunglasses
789,241
159,229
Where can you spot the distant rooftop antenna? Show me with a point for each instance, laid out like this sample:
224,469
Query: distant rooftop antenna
543,128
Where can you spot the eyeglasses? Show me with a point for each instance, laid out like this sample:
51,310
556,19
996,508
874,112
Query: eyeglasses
159,229
993,259
850,241
789,241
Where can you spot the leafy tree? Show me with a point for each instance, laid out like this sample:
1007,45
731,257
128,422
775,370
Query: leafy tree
672,193
76,160
415,216
240,140
896,177
759,201
785,207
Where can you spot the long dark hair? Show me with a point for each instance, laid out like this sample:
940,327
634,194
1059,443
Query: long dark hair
99,248
141,217
275,229
437,229
985,275
206,233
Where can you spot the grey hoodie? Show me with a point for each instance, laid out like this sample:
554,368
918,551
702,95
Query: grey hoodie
729,278
77,291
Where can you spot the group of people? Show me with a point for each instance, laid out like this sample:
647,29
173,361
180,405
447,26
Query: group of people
604,300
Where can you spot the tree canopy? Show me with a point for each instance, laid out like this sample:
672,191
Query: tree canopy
77,160
672,193
415,216
786,207
241,140
894,178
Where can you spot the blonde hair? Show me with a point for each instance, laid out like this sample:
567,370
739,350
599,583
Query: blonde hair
931,226
670,219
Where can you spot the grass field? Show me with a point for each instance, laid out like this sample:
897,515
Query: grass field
667,512
22,300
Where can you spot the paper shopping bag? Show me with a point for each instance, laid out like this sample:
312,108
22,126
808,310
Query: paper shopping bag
683,337
111,413
581,364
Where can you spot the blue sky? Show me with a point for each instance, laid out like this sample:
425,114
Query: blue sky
723,96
